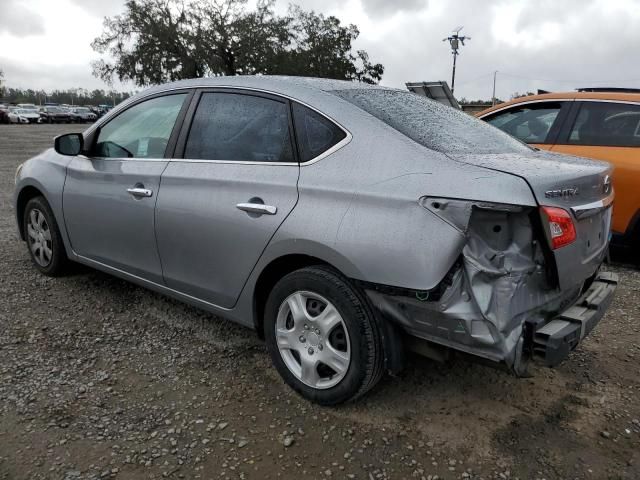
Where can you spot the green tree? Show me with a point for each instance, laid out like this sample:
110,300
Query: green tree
155,41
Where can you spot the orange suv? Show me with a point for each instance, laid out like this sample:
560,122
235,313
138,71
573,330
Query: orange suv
595,122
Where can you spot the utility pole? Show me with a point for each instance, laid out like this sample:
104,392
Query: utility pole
455,40
493,97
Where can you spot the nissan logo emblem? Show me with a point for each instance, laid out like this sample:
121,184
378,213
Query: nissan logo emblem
606,184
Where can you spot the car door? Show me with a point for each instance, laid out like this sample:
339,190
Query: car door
535,123
222,202
609,131
110,194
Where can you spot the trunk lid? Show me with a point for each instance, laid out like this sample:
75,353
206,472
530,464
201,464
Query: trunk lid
578,185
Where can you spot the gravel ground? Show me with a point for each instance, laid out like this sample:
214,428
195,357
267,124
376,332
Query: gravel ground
103,379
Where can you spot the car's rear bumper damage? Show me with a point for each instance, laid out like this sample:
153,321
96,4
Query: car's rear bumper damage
499,300
553,340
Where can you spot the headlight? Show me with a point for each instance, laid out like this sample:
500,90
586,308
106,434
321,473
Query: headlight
15,180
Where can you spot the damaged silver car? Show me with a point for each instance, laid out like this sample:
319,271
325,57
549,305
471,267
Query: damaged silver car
343,222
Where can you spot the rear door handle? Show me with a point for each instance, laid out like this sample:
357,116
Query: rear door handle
140,192
259,208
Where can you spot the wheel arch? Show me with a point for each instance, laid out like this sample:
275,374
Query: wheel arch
277,268
271,274
26,193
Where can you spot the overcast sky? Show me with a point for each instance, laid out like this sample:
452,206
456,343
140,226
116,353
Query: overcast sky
548,44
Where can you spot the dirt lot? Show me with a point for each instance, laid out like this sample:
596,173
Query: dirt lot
102,379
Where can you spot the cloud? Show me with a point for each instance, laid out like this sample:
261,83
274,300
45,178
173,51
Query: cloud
16,19
548,44
101,8
551,45
385,8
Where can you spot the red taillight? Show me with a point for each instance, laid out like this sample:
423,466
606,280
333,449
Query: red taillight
562,231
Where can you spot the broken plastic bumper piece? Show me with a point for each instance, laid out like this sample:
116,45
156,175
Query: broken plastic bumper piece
554,340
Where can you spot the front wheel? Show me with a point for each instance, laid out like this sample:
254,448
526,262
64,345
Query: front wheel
43,238
322,336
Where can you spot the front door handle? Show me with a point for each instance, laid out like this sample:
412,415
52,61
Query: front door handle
140,192
259,208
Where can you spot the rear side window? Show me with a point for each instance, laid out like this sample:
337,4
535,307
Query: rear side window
530,123
316,134
432,124
240,127
606,124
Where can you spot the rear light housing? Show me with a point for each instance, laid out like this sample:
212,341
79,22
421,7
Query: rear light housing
560,226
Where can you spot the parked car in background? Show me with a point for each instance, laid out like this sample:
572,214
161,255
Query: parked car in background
342,221
596,123
28,106
23,115
83,114
72,115
54,114
4,114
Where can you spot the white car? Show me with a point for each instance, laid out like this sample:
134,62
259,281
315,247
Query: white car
23,115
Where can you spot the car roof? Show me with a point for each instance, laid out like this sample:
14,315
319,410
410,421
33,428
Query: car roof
304,89
612,96
275,82
315,92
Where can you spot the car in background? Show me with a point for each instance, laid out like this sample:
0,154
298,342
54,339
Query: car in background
4,114
83,114
69,111
600,123
23,115
54,114
344,222
28,106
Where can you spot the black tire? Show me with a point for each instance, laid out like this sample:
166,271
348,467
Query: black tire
58,263
366,364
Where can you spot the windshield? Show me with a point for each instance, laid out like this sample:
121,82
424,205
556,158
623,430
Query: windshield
432,124
82,110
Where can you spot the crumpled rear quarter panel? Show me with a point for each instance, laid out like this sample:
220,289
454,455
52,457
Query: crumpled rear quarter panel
500,281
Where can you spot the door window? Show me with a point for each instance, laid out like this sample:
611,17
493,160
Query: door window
240,127
141,131
316,133
530,123
606,124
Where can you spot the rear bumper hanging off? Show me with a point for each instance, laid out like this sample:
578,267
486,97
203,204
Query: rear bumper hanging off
554,340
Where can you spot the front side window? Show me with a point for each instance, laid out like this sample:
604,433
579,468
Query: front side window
141,131
316,134
530,123
240,127
606,124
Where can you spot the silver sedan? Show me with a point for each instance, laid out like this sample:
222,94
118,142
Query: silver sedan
344,223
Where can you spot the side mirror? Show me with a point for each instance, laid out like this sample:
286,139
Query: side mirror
69,144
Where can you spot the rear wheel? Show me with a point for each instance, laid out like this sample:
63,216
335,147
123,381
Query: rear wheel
43,238
322,336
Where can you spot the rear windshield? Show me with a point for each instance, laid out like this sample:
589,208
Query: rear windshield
432,124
